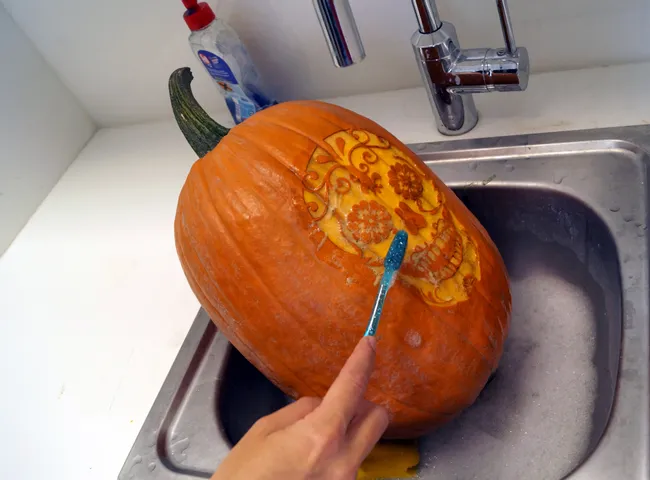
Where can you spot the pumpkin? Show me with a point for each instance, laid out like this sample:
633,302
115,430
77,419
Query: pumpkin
281,229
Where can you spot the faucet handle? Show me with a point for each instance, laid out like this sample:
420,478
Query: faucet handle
506,27
504,69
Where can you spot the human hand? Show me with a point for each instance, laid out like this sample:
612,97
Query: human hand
311,438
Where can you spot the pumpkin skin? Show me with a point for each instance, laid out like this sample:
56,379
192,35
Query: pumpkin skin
281,231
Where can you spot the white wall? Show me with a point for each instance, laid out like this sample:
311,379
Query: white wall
42,129
116,55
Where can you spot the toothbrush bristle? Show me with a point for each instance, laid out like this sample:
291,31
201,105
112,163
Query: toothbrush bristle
396,251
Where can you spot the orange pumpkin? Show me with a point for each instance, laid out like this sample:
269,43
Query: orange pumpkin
281,231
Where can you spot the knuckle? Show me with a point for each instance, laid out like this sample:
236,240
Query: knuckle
323,441
339,425
386,410
320,440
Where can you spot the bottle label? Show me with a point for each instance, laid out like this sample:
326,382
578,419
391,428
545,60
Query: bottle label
217,67
242,99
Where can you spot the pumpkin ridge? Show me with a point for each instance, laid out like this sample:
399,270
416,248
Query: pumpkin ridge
192,279
204,299
503,326
483,291
489,261
182,230
502,329
436,317
253,142
192,242
462,337
216,199
320,143
225,232
218,289
494,262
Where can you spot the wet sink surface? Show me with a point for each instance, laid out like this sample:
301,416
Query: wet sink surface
570,398
550,400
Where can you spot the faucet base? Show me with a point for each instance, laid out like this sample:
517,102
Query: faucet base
455,114
436,54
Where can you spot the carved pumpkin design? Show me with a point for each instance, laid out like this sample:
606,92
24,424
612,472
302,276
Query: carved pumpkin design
405,181
281,231
441,262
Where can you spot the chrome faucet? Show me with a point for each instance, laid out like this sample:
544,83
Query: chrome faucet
451,75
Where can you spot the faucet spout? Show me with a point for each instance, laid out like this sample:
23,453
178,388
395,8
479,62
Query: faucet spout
427,16
340,30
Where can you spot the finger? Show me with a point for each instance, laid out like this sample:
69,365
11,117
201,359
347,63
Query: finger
286,416
365,431
343,397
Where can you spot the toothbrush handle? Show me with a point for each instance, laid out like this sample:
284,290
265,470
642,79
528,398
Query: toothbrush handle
376,310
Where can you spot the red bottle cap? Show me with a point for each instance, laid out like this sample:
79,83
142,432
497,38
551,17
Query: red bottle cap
198,14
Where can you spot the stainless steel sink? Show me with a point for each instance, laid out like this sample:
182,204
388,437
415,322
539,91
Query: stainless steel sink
568,212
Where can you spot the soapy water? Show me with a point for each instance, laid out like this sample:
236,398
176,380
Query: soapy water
534,420
538,418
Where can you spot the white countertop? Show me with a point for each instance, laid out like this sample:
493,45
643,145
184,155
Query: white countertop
94,305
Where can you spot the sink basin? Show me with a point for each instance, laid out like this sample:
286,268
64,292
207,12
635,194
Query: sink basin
570,399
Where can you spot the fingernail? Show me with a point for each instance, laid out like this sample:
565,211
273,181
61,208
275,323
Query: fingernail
372,341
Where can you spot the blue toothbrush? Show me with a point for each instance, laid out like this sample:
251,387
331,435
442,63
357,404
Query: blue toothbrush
392,262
